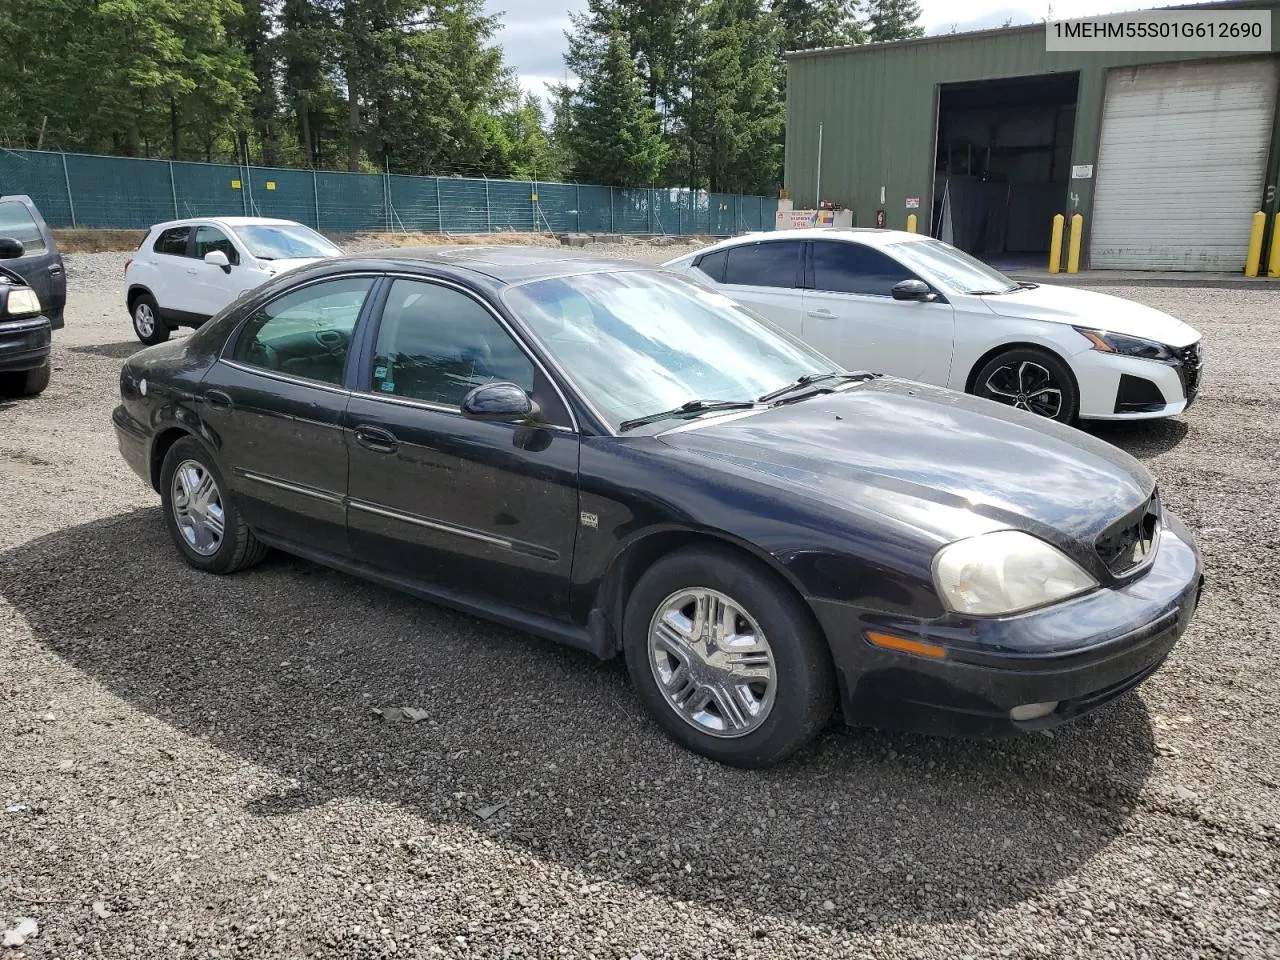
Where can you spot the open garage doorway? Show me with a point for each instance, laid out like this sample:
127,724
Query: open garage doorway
1003,164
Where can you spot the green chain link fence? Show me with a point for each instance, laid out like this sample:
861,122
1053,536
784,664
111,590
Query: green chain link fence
79,190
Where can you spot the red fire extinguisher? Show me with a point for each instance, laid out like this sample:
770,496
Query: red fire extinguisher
880,221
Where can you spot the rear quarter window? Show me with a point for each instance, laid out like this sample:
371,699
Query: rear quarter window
173,241
713,265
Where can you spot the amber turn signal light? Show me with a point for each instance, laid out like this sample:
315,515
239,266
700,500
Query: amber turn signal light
902,645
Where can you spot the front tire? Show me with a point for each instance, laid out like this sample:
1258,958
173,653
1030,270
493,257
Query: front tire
726,659
147,324
1036,381
203,521
27,383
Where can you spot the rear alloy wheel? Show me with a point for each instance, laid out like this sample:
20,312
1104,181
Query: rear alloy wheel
147,325
202,520
1032,380
726,659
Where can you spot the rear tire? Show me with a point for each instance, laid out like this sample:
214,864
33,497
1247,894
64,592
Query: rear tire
26,383
1036,381
726,659
147,324
203,520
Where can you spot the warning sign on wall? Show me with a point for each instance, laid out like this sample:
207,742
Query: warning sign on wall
913,203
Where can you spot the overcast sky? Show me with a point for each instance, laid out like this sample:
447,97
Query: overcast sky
533,30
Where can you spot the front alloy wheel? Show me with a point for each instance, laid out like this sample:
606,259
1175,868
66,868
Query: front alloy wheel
726,657
712,662
1025,386
1030,380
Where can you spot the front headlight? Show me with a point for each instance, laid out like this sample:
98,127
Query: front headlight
1125,345
1005,572
22,302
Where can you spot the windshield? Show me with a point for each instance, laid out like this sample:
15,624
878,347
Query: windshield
639,343
285,241
952,267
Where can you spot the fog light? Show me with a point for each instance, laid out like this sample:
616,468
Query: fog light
1033,711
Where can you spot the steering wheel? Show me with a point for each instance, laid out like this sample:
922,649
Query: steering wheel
333,341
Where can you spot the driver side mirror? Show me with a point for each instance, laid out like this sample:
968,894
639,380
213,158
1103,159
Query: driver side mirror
499,402
11,249
217,258
914,290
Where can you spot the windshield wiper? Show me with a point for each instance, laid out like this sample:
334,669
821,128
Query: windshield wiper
693,407
809,380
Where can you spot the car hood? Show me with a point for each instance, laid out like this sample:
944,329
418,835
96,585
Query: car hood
949,464
1099,311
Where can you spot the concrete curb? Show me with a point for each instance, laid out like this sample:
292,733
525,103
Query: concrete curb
1107,278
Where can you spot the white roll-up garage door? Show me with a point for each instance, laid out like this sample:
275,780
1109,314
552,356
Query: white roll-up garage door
1181,164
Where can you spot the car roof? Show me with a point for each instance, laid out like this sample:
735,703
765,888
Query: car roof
504,264
227,222
867,236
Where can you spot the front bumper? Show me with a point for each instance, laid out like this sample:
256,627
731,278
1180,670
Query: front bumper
24,344
1081,653
1115,387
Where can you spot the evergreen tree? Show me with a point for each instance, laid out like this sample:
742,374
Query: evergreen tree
807,24
615,135
656,32
893,20
159,77
732,120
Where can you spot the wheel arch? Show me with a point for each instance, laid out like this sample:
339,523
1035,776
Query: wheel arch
135,291
160,447
995,351
638,555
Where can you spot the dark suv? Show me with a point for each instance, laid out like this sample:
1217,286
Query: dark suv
33,293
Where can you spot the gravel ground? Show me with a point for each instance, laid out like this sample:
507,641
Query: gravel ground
189,765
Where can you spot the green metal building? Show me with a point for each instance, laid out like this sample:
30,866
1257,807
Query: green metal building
987,135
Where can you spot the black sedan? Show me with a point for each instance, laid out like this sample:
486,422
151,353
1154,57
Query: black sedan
618,459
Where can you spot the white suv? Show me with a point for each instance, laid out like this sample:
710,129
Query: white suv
187,270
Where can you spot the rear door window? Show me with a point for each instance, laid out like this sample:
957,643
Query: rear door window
17,223
173,241
769,264
306,333
840,267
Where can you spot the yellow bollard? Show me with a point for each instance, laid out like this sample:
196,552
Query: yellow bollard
1055,243
911,223
1256,231
1273,261
1073,245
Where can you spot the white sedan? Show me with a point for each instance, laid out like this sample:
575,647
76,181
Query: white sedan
187,270
917,308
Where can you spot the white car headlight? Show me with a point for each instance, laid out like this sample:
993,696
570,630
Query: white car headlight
1005,572
23,301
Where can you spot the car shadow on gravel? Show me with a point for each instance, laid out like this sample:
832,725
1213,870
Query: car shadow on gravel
1139,438
114,351
283,664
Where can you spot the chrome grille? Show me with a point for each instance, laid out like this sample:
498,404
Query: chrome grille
1129,543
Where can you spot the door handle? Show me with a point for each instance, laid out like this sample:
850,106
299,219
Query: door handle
191,271
822,314
55,268
376,439
218,399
